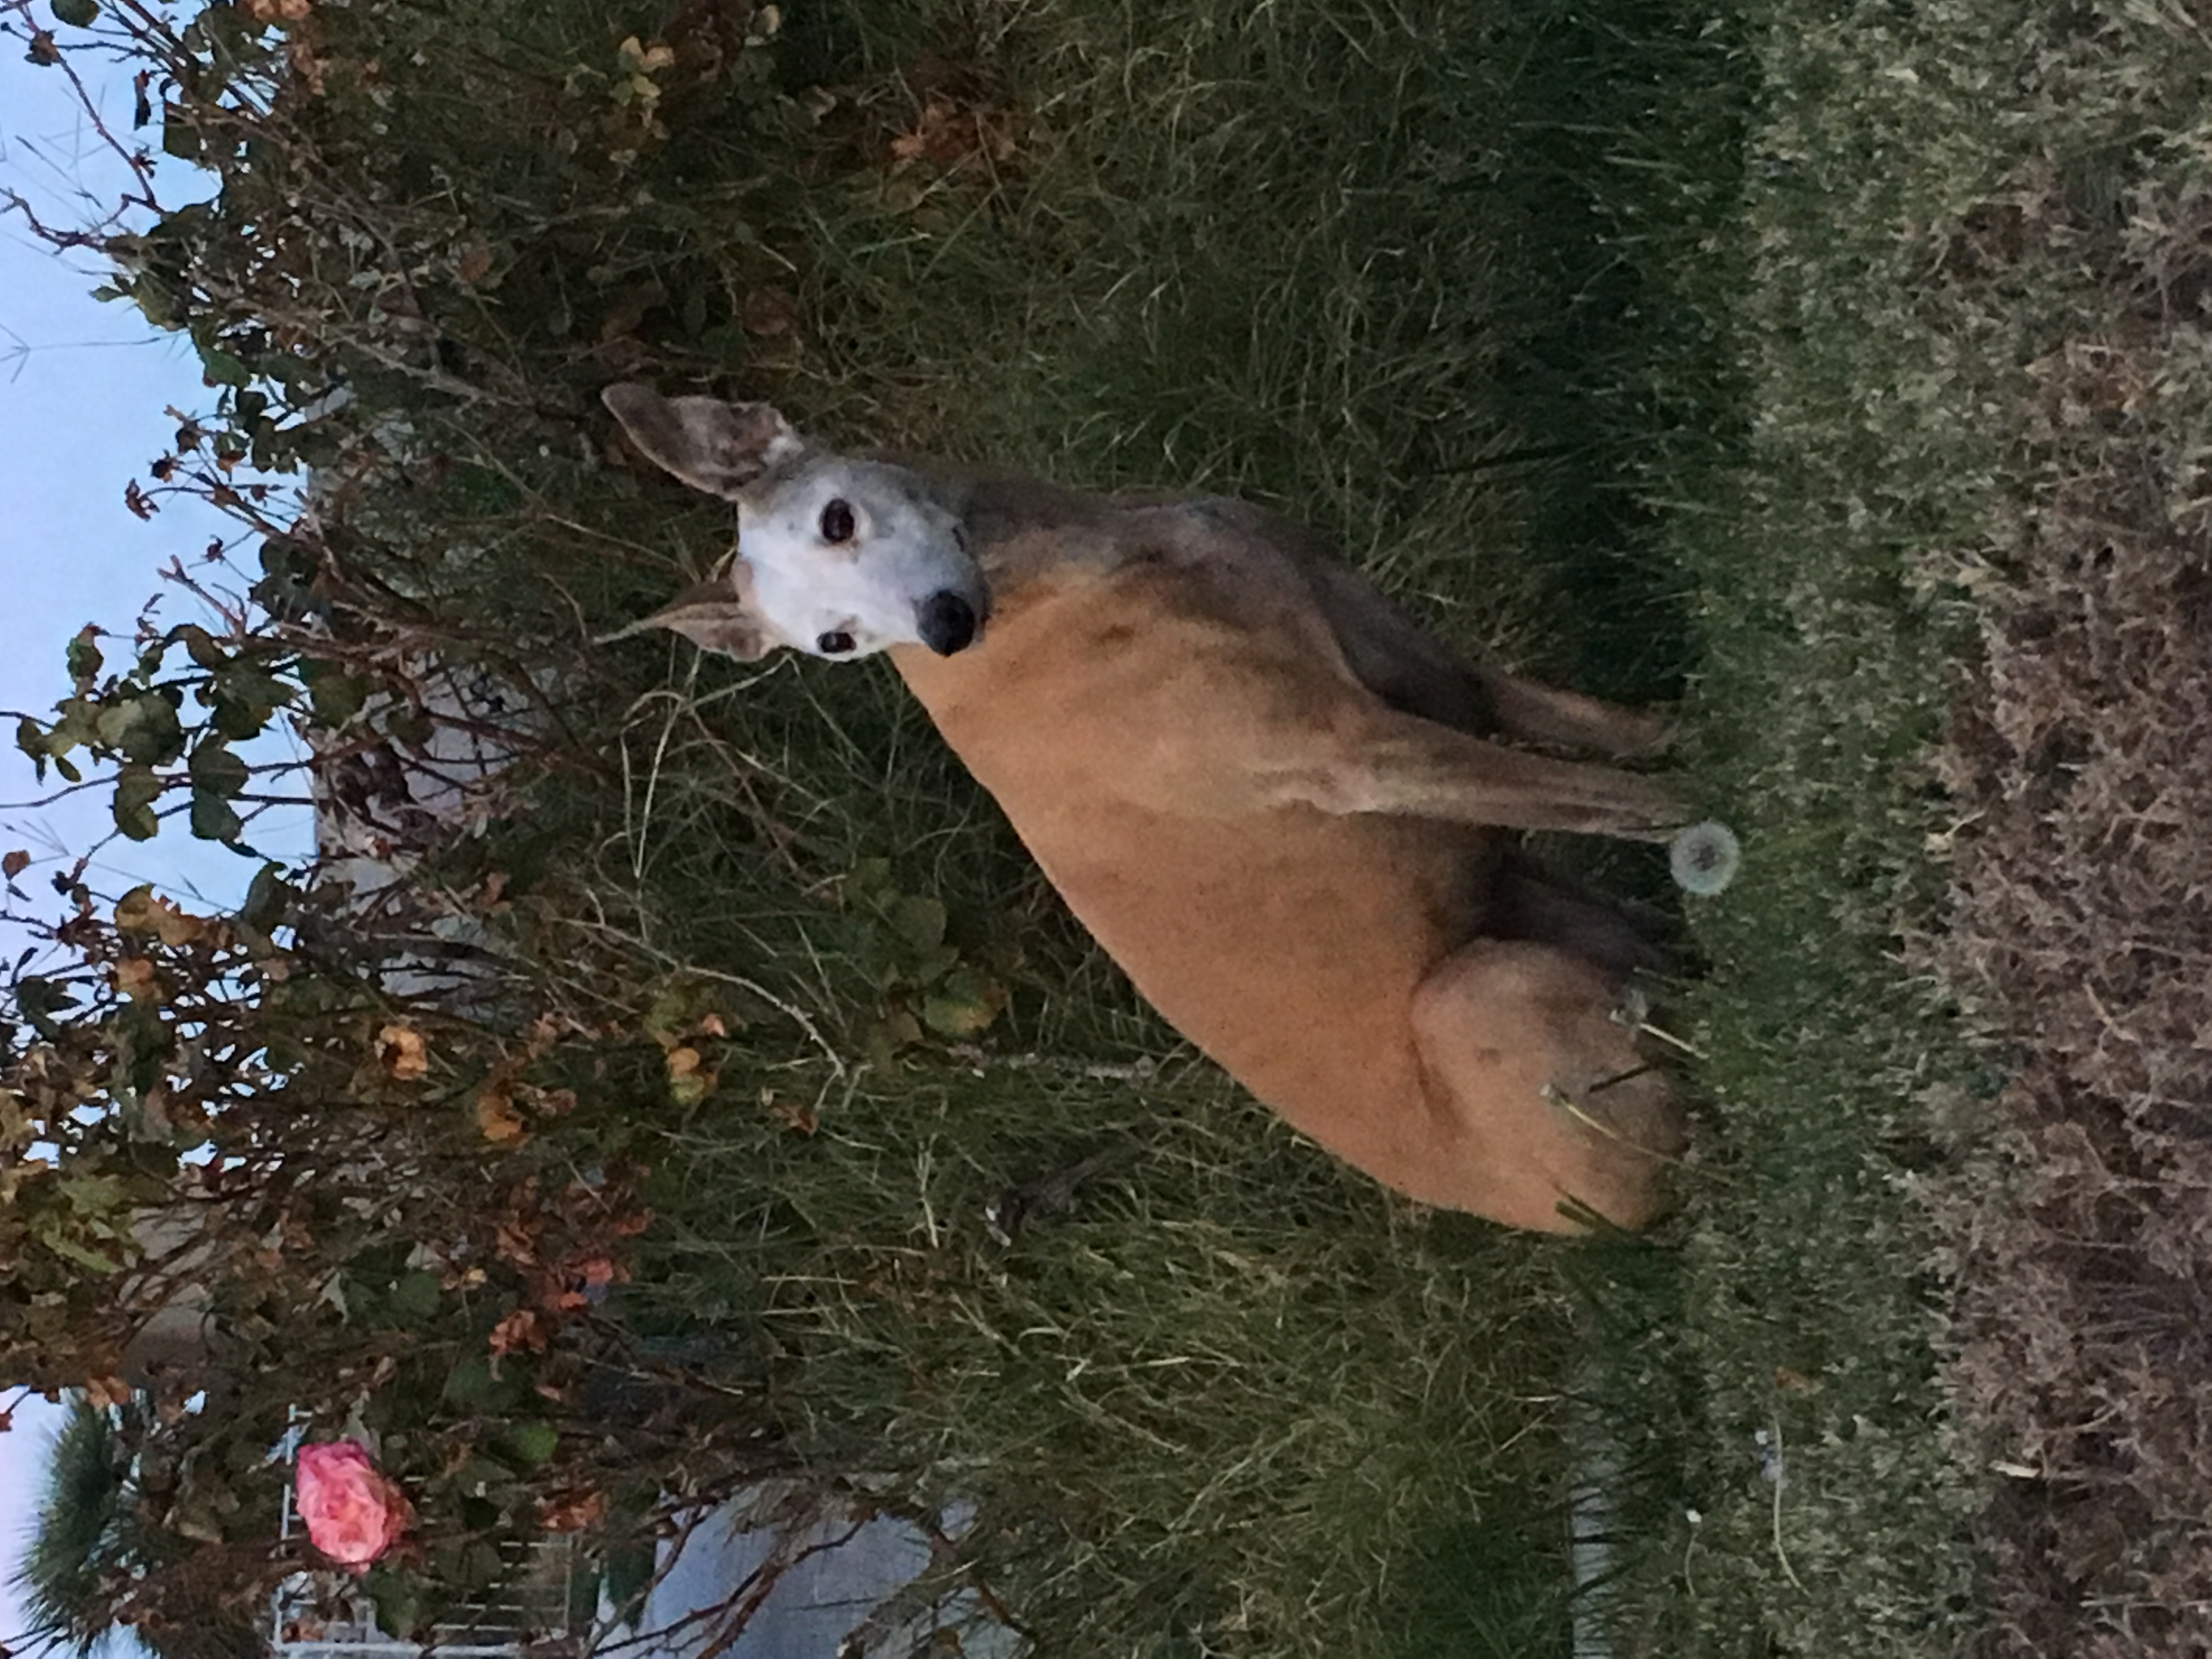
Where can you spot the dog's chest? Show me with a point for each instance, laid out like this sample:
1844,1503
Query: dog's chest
1079,682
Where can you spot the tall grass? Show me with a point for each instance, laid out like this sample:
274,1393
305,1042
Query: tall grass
1237,1400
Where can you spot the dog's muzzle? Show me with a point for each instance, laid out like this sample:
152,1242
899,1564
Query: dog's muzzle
946,623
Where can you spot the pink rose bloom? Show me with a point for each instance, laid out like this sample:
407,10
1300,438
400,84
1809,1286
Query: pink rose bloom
353,1510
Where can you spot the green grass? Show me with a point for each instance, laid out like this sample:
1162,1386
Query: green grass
1243,1402
1825,658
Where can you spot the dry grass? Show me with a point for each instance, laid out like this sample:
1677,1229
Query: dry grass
2084,875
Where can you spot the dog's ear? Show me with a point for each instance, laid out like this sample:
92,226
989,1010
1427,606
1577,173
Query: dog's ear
710,445
716,615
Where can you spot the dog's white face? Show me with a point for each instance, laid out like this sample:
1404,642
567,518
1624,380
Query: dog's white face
836,557
846,557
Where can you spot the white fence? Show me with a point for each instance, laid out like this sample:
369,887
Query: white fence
533,1611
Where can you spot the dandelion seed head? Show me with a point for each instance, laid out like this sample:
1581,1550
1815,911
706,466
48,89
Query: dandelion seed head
1705,858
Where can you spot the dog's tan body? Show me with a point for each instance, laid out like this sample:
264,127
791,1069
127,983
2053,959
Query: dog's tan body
1278,806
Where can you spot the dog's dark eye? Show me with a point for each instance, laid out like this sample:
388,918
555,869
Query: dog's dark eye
834,644
837,521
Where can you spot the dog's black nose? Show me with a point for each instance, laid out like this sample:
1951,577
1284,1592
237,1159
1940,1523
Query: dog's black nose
947,623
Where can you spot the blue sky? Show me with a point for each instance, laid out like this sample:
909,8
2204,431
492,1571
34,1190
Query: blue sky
82,391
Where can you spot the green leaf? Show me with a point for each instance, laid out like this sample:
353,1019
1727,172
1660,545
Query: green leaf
919,921
67,1247
136,789
965,1004
222,369
93,1195
143,1043
83,657
39,1000
397,1599
156,301
144,729
626,1570
214,818
870,884
481,1565
79,723
484,1483
181,139
281,555
932,965
77,13
200,644
266,897
31,739
216,770
333,696
527,1446
415,1297
244,700
471,1387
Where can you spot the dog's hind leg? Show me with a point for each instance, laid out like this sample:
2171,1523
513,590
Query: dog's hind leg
1415,673
1556,1107
1530,900
1535,712
1391,762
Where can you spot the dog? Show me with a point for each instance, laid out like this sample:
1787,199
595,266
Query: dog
1285,810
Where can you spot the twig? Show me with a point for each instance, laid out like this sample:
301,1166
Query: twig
1780,1475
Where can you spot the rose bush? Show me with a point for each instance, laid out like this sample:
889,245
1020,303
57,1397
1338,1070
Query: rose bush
353,1510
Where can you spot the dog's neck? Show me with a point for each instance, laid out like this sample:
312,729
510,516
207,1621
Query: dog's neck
1022,531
